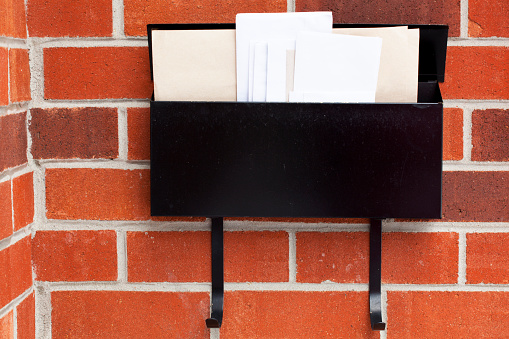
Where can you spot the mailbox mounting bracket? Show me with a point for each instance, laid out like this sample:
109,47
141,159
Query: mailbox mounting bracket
375,274
375,270
217,257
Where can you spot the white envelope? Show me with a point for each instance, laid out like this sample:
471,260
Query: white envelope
276,69
260,72
336,63
399,61
267,26
344,96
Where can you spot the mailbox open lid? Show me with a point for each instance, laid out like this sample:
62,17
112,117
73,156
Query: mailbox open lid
369,160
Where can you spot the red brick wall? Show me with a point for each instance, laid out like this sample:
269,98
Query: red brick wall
74,193
17,298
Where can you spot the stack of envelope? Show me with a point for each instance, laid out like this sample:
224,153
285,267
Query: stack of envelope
281,57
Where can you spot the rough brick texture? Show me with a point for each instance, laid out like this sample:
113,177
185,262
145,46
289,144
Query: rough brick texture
6,326
26,318
13,19
490,135
4,78
256,256
139,13
23,200
285,314
476,72
339,257
488,18
15,271
475,196
420,258
408,258
389,11
19,71
114,314
454,315
168,256
81,18
5,210
13,140
138,129
305,220
75,255
97,73
453,134
98,194
487,257
63,133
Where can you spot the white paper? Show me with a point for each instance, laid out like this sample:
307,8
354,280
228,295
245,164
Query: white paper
260,72
336,63
267,26
399,61
276,69
344,96
194,65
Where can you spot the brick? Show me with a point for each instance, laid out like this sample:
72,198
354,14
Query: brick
168,256
6,326
26,318
487,257
19,71
13,19
475,196
13,140
15,270
256,256
97,73
420,258
84,133
453,134
97,194
81,18
138,133
5,210
305,220
75,255
23,200
488,18
454,315
389,11
295,314
340,257
476,72
407,258
490,135
139,13
4,77
125,314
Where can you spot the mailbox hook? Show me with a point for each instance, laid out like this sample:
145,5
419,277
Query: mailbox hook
216,235
375,275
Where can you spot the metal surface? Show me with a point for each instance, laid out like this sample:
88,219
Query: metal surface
296,160
375,275
216,317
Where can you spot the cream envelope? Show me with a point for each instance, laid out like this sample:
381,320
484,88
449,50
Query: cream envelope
399,61
194,65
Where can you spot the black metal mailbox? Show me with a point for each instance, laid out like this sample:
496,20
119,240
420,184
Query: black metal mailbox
224,159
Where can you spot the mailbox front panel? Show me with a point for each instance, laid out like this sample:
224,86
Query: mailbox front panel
296,160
